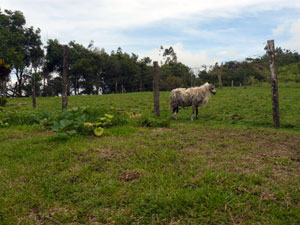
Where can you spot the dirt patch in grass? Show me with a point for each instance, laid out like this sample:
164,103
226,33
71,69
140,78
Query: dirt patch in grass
51,216
273,154
104,153
130,176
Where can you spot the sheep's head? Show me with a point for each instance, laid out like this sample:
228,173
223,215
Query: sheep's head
212,89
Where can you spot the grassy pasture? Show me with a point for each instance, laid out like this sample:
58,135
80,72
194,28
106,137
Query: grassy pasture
228,167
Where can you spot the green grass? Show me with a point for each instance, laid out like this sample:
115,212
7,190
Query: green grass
242,107
228,167
289,73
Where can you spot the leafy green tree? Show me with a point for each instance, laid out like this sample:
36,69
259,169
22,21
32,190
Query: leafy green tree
54,56
38,84
146,74
20,47
178,73
12,39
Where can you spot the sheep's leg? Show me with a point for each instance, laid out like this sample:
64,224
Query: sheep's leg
197,113
192,117
175,111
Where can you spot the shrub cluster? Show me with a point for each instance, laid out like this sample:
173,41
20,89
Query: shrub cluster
3,101
78,120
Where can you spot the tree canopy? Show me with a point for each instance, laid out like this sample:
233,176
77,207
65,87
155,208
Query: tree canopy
94,71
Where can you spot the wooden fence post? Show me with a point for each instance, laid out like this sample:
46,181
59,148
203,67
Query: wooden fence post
156,89
65,78
220,79
33,90
274,83
231,84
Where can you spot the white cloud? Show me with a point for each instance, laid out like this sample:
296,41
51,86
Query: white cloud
108,22
120,14
281,29
292,30
192,59
293,43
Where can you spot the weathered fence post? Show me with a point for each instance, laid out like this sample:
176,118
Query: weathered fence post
231,84
65,78
156,89
274,83
220,79
33,90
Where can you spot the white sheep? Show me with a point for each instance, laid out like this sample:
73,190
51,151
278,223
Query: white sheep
195,96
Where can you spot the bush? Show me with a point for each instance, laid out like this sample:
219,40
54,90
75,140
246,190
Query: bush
82,120
3,101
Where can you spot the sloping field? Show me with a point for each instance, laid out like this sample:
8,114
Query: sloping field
229,167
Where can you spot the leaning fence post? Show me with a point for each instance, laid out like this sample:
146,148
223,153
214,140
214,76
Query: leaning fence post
65,78
156,89
274,83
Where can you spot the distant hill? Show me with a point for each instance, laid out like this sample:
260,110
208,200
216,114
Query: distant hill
289,73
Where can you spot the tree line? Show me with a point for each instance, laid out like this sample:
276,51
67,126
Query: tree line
250,70
94,71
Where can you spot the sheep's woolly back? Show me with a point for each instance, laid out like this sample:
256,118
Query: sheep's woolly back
197,96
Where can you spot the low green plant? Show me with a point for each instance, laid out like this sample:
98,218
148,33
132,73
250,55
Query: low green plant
3,101
3,123
98,127
78,120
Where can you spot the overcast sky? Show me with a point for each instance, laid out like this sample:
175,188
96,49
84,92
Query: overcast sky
200,31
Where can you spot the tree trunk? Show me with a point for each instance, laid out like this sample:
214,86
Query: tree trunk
65,79
4,88
141,86
123,90
97,89
274,83
16,90
19,75
156,89
116,87
45,74
75,87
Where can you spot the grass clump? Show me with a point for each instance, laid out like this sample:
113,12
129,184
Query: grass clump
152,121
